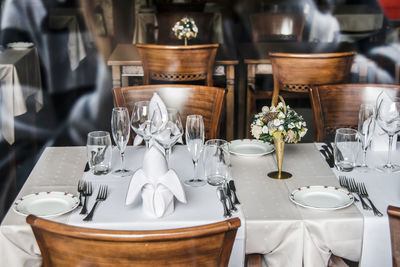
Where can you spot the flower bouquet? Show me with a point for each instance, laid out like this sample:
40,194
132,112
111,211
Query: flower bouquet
279,124
186,29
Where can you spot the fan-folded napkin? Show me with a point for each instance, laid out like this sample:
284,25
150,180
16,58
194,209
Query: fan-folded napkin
157,185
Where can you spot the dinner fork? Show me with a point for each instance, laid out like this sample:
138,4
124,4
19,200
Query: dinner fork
364,193
87,193
344,183
101,196
81,190
354,189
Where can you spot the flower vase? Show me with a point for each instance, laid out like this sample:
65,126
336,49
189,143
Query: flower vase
185,41
279,151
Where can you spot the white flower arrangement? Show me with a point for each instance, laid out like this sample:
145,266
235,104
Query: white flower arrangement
185,29
273,121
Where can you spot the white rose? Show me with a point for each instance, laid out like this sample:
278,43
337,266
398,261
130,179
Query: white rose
258,122
256,131
281,115
291,125
265,109
280,128
281,121
277,122
271,125
265,129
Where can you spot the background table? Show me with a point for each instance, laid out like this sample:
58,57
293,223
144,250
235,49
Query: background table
125,61
19,79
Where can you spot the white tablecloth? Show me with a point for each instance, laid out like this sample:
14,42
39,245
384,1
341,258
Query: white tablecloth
19,79
59,170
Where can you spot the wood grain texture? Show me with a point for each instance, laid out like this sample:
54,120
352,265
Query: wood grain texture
64,245
188,99
335,106
267,27
177,63
394,224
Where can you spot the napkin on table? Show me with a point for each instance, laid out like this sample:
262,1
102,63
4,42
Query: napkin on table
156,184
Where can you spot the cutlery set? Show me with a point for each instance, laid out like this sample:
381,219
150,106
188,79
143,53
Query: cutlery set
327,152
227,195
361,191
85,190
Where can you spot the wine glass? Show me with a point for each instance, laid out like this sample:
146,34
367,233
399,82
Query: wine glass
194,142
171,133
141,122
366,127
388,118
120,131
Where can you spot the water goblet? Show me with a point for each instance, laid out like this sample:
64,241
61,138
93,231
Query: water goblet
169,135
388,118
345,149
99,152
194,142
120,127
366,127
216,161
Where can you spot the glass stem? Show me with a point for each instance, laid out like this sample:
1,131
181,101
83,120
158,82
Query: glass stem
364,159
195,170
389,160
147,144
122,160
167,155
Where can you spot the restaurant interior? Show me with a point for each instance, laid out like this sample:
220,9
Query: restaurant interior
61,60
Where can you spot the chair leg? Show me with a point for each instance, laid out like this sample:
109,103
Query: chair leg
254,260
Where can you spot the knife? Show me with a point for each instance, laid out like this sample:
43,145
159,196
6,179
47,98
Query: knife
327,158
232,187
222,198
228,194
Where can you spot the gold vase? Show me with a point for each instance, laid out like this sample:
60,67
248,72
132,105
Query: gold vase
279,150
185,41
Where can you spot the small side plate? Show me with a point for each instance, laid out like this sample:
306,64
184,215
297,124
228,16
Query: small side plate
46,204
250,148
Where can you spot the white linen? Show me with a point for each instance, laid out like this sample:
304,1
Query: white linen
157,184
19,79
383,190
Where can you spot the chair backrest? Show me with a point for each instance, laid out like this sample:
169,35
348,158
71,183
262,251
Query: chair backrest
66,245
188,99
177,63
394,224
337,105
267,27
296,72
167,20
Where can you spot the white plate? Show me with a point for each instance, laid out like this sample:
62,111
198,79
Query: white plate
20,45
46,204
322,197
252,148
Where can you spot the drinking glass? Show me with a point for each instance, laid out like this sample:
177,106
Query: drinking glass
141,122
388,118
216,161
366,127
345,150
120,130
194,142
99,152
171,133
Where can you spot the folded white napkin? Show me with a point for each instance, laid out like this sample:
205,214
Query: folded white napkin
157,185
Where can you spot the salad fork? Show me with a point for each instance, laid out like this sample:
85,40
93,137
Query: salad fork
364,193
354,189
344,183
87,193
101,196
81,190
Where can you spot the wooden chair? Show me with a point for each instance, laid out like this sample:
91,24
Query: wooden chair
65,245
177,63
336,106
188,99
167,20
394,224
267,27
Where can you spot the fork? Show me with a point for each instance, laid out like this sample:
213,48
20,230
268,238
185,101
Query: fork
81,190
354,189
101,196
344,183
86,194
364,193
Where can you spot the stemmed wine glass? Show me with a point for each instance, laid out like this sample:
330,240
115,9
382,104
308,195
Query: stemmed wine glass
120,130
366,127
195,142
388,118
141,122
171,133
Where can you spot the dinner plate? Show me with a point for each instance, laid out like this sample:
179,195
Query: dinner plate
46,204
250,148
322,197
20,45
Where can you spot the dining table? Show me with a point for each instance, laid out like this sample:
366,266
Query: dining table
125,61
274,226
19,80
